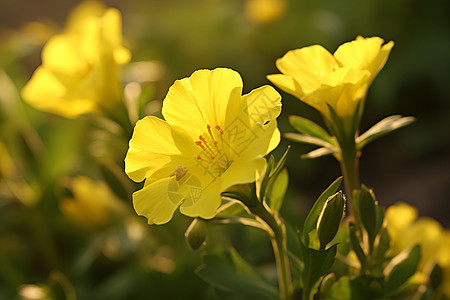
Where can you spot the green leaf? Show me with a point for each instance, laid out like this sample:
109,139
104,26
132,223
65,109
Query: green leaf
401,268
277,169
261,183
310,128
382,128
436,276
266,185
351,289
319,153
383,244
356,246
311,219
229,208
294,252
196,234
306,139
279,190
233,275
317,264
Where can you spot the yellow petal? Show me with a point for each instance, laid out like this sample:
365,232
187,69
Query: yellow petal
443,256
152,147
46,92
242,171
153,202
206,203
342,90
328,95
275,139
400,216
193,103
259,141
307,66
364,54
60,55
344,75
112,27
250,133
85,10
288,84
427,232
262,105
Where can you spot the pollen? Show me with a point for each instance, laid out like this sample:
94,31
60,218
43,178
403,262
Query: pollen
179,172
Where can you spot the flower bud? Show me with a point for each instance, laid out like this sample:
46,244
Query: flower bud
196,234
330,218
368,210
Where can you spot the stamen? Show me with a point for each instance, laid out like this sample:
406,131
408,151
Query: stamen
215,159
210,132
219,129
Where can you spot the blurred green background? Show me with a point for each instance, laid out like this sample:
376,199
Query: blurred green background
175,38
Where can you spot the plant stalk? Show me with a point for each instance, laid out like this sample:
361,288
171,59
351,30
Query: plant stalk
349,163
279,244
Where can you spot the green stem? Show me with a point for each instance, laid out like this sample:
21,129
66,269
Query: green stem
350,170
279,244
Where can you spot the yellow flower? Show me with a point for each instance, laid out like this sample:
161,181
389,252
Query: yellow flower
406,230
265,11
212,138
80,67
93,206
341,80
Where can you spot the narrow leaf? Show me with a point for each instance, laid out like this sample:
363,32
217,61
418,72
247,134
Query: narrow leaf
261,183
266,185
229,208
401,268
279,190
356,246
319,153
306,139
310,128
382,128
317,264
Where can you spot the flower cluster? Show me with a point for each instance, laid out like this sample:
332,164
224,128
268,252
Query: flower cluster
80,67
338,80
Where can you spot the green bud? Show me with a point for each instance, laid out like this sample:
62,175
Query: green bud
196,234
330,218
368,211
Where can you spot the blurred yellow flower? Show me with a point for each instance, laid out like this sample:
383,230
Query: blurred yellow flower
406,230
265,11
93,205
341,80
212,138
80,67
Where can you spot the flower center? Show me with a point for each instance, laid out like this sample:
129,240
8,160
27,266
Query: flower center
214,156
